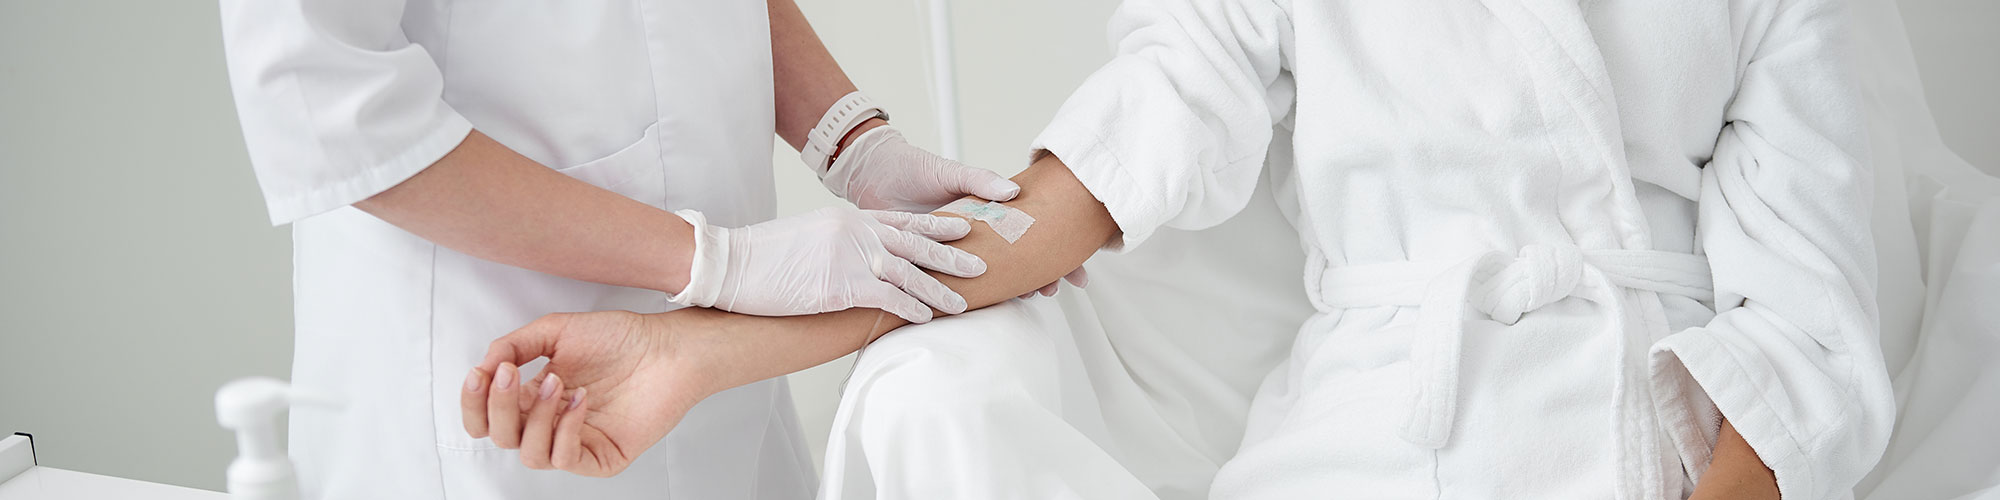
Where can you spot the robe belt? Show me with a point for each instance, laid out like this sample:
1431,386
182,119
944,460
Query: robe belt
1503,287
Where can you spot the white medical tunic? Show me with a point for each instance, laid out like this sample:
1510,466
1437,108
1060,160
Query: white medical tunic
1510,210
668,102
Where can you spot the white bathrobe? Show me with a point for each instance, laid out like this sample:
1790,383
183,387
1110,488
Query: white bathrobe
1509,211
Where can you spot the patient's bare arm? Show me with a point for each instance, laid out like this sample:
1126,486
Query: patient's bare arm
633,376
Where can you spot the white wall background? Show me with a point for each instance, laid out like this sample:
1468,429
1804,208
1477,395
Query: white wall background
137,272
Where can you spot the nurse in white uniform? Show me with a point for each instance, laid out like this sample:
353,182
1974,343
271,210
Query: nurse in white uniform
453,170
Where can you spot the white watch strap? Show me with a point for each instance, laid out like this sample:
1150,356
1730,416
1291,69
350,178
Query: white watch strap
847,113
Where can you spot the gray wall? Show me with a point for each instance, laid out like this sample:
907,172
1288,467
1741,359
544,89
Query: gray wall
1957,45
137,272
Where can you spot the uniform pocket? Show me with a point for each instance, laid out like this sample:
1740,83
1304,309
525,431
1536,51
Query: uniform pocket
635,171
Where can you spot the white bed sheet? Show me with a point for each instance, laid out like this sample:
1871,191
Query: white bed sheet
1937,230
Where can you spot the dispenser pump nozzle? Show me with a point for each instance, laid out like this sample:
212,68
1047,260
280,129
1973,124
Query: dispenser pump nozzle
250,406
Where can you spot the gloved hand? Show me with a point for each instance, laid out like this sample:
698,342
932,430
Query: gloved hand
880,171
827,260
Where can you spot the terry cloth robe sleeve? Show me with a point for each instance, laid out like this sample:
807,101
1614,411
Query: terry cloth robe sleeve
336,103
1174,129
1792,357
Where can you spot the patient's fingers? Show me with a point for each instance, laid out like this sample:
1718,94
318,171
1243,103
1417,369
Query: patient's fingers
930,254
539,431
922,286
935,227
472,402
567,451
503,409
1078,278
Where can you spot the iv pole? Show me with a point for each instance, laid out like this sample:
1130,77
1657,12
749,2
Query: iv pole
943,82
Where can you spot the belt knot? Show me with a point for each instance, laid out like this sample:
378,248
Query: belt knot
1539,276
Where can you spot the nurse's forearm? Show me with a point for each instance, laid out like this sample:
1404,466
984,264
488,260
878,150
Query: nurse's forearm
1735,472
1070,225
490,202
805,77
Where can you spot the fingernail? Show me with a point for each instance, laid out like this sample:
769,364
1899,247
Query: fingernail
1007,188
472,381
549,386
576,399
504,378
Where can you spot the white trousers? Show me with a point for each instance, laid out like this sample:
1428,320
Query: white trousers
995,403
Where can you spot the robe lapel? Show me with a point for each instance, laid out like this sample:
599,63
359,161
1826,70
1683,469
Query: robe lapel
1578,104
1577,100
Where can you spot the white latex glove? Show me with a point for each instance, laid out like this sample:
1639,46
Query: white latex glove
828,260
881,171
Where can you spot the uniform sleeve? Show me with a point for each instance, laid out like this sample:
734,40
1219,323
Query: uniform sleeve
1792,358
336,103
1174,129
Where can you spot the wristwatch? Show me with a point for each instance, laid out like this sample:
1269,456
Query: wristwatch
824,138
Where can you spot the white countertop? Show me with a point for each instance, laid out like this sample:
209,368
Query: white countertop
21,479
49,483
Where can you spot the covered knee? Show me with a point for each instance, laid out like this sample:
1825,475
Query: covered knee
957,373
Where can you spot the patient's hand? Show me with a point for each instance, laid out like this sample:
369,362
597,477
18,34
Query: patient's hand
629,388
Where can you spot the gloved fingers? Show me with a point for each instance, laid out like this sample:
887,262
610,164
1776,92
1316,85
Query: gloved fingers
1026,296
472,402
979,182
935,227
1078,278
921,285
1050,290
503,410
929,254
538,433
887,297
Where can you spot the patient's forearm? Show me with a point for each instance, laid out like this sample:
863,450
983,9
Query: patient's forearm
1070,225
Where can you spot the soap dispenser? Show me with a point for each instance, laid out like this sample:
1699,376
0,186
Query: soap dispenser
250,406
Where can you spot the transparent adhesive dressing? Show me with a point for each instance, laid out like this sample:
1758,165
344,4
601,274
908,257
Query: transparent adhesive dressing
1010,222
